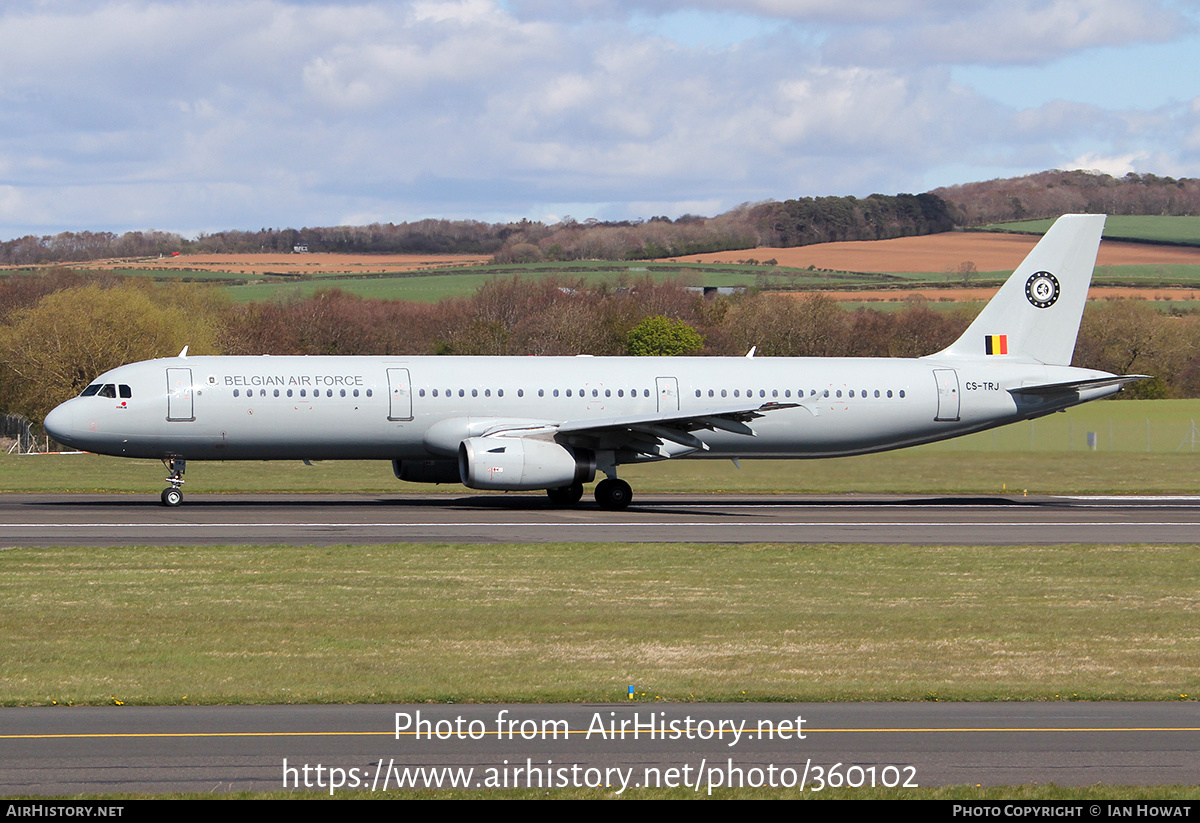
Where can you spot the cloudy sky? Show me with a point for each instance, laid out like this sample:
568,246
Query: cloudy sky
200,116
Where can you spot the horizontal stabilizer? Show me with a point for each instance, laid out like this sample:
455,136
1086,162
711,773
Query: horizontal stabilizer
1079,385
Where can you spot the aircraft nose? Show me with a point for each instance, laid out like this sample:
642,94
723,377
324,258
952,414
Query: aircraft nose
59,423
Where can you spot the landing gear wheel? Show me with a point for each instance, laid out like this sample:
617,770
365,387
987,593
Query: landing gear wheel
613,494
171,497
567,495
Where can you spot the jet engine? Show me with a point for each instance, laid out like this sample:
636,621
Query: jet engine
519,463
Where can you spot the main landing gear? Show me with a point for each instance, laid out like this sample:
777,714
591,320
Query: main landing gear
613,493
567,495
610,494
173,495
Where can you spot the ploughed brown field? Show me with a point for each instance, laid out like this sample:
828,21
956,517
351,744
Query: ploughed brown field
941,252
932,253
986,293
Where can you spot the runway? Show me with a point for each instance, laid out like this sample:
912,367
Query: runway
809,746
220,749
105,520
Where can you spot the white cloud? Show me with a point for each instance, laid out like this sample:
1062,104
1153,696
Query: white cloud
222,114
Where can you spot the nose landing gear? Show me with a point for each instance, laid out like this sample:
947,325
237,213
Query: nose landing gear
173,495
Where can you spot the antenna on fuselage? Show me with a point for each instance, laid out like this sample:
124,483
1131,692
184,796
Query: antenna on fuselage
752,350
184,352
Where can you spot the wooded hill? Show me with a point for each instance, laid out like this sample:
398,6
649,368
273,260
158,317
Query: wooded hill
798,222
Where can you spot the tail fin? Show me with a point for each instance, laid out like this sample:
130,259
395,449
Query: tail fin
1036,313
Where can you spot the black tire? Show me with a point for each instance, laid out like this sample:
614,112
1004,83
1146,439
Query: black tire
171,497
567,495
613,494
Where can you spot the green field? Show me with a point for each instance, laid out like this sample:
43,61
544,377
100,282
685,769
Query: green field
1183,231
555,622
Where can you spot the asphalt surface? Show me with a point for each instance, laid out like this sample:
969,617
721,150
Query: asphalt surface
258,748
49,520
220,749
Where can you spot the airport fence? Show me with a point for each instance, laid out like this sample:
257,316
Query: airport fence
17,432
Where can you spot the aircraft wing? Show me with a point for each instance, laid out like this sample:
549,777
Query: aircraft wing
652,434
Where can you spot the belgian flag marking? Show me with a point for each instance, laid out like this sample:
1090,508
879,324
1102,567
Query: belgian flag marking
995,343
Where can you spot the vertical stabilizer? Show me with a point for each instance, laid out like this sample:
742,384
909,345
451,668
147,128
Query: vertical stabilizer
1036,314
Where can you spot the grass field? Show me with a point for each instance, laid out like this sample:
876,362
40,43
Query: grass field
428,622
1148,229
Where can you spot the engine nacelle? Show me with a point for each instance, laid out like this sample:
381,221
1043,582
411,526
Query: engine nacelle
426,471
520,464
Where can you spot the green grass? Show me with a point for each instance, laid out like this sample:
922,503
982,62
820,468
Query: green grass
1149,276
444,622
461,282
1144,228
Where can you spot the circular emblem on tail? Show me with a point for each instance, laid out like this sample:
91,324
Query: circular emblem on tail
1042,289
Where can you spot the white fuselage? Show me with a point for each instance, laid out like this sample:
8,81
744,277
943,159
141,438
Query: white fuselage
407,408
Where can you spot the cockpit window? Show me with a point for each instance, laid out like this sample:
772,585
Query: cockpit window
107,390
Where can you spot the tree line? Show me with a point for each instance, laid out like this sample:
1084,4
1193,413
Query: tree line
59,330
797,222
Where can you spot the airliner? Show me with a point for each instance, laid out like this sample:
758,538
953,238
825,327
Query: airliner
552,423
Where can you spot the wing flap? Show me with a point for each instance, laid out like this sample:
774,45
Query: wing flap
652,434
